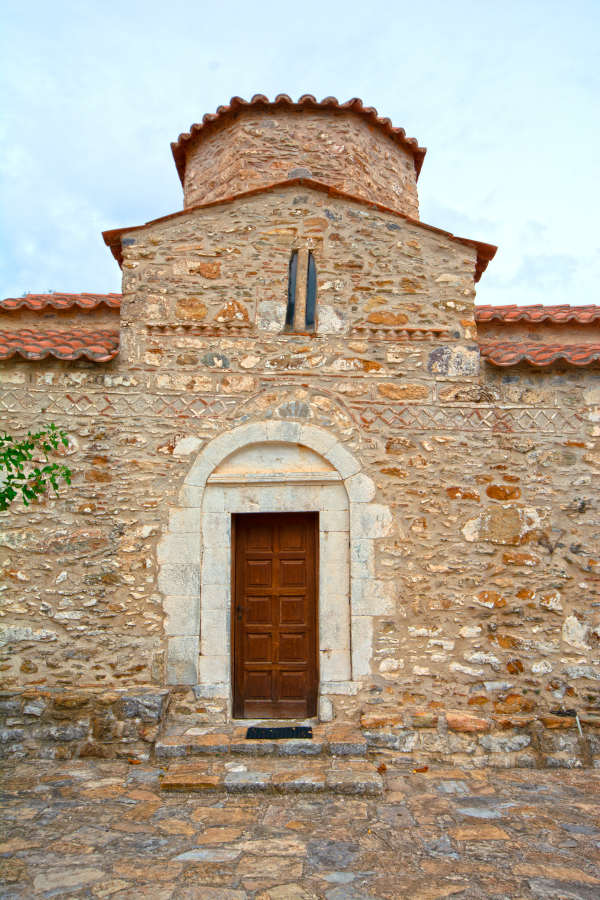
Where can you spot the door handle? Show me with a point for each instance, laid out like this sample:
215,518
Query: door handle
240,613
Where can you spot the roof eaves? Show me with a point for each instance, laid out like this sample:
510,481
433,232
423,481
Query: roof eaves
511,353
306,101
534,313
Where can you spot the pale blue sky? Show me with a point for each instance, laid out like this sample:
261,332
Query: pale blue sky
505,96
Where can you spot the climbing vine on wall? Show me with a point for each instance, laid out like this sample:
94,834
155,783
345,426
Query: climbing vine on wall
26,467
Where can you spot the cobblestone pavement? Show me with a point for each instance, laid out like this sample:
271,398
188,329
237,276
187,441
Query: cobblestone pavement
100,829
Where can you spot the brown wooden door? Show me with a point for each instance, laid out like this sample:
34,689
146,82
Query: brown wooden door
275,615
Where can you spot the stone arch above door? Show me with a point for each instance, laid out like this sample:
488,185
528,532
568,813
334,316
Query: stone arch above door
296,468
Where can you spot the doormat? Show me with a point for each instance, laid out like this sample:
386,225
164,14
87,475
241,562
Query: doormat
255,733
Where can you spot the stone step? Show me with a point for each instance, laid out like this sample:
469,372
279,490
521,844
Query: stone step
331,741
355,777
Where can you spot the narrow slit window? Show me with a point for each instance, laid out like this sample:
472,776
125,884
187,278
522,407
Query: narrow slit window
291,301
301,310
311,292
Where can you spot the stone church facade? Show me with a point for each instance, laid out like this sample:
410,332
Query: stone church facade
312,479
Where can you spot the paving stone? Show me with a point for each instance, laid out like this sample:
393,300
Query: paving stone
72,829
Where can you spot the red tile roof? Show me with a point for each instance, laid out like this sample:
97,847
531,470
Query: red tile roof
307,101
509,353
98,346
485,252
538,313
61,301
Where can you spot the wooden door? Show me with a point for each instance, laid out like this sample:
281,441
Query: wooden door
275,615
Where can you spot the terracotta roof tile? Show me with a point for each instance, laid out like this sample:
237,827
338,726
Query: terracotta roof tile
61,301
510,353
98,346
307,101
538,313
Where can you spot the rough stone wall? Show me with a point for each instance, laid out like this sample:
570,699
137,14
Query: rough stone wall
340,149
492,598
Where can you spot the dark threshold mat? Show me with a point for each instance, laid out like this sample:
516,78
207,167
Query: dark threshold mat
256,733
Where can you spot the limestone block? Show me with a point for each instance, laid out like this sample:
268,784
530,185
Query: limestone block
362,555
216,528
362,645
316,438
344,688
211,691
331,497
179,580
187,445
361,488
334,622
214,499
334,545
334,520
191,495
575,632
215,596
179,550
183,615
213,669
370,520
334,665
182,659
201,469
325,709
334,579
214,637
285,432
372,597
184,520
216,564
343,460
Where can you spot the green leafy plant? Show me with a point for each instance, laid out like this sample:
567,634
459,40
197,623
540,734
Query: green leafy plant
26,468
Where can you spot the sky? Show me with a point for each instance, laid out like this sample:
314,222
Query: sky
505,95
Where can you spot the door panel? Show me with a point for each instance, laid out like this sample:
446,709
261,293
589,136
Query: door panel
275,615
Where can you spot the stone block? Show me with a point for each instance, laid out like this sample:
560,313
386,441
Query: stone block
334,665
179,550
361,488
343,460
179,580
215,596
362,556
214,669
183,615
334,520
214,636
460,721
318,439
333,579
190,495
185,520
149,707
182,659
362,645
216,564
214,499
372,597
325,709
334,545
370,520
334,622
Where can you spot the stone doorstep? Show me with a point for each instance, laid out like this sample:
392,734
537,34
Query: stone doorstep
356,777
339,740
